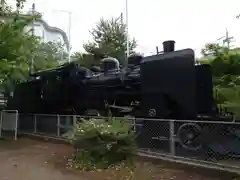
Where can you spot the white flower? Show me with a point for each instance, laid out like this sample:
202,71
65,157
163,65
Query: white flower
109,146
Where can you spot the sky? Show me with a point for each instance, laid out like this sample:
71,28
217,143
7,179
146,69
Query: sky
191,23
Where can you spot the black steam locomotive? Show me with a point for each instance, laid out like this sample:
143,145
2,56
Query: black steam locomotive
162,86
167,85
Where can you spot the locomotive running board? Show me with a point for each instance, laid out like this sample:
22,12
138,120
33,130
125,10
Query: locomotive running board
124,109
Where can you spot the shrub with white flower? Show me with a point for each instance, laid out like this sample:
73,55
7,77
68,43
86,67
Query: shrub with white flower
100,143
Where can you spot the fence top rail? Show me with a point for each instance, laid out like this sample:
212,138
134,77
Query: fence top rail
24,114
77,116
234,121
10,111
191,121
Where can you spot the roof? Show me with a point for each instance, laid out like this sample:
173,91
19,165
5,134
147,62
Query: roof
48,27
55,29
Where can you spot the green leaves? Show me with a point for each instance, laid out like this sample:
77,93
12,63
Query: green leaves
101,142
226,76
18,47
109,39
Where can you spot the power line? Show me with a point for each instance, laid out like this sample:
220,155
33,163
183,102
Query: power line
226,39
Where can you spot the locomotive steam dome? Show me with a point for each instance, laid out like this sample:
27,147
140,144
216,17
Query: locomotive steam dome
110,64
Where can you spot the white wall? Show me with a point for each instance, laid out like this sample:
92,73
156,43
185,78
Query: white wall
54,36
47,35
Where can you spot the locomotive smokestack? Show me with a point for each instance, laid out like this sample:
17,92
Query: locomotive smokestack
168,46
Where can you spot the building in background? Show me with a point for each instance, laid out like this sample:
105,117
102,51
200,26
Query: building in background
46,32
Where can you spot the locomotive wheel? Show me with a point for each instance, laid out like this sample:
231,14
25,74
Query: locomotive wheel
189,136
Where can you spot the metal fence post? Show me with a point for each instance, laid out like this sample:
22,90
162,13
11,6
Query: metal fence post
74,120
1,121
172,137
35,123
16,126
58,125
134,124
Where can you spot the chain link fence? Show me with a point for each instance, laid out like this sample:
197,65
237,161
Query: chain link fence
206,142
212,142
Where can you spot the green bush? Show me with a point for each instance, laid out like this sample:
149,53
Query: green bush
100,143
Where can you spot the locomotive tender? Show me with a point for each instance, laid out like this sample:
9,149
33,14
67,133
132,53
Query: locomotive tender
167,85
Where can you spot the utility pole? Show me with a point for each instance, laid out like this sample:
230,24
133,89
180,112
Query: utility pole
33,33
69,35
33,13
121,17
126,4
125,55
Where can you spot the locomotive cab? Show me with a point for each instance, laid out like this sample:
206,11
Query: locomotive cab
182,90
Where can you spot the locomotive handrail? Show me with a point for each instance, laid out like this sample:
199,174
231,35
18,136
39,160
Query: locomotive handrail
60,67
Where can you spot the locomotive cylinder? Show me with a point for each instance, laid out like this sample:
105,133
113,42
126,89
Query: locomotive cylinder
168,46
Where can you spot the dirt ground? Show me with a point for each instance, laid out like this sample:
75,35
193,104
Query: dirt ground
27,159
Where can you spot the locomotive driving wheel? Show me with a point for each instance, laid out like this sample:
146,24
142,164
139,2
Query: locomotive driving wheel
189,136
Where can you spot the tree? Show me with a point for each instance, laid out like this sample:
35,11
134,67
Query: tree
49,55
226,75
18,48
85,59
109,39
225,62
